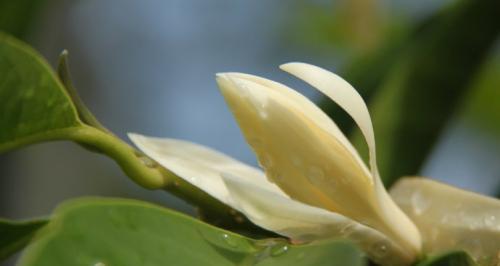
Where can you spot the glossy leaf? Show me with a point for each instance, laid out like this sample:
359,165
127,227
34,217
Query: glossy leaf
16,235
127,232
34,105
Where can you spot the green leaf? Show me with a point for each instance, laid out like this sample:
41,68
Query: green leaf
454,258
15,235
427,83
126,232
34,105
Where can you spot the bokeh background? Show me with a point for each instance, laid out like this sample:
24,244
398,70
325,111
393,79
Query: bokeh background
148,67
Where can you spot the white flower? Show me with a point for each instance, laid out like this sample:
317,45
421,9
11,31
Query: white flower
314,185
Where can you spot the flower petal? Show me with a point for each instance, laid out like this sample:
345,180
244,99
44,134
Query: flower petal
298,155
451,218
307,162
305,223
308,109
200,165
341,92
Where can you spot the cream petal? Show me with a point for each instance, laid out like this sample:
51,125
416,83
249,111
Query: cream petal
295,152
200,165
450,218
307,163
308,108
305,223
341,92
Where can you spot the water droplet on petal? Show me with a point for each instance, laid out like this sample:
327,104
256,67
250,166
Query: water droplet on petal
316,175
347,229
265,161
255,143
490,220
274,176
296,161
419,203
380,249
263,114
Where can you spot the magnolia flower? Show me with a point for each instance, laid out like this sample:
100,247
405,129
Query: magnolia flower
313,184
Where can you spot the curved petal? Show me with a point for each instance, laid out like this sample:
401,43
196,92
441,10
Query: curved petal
200,165
307,163
308,109
302,222
451,218
341,92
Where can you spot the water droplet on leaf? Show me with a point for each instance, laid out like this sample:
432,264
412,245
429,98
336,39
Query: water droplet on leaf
279,250
316,175
229,240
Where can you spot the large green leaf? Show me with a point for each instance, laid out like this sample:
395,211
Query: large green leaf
16,235
127,232
34,106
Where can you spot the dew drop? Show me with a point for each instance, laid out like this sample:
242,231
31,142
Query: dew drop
315,175
347,229
265,161
296,161
229,240
279,250
99,264
490,220
419,203
148,162
263,114
255,143
274,175
380,249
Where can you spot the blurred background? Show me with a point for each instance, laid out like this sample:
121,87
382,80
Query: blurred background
148,67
